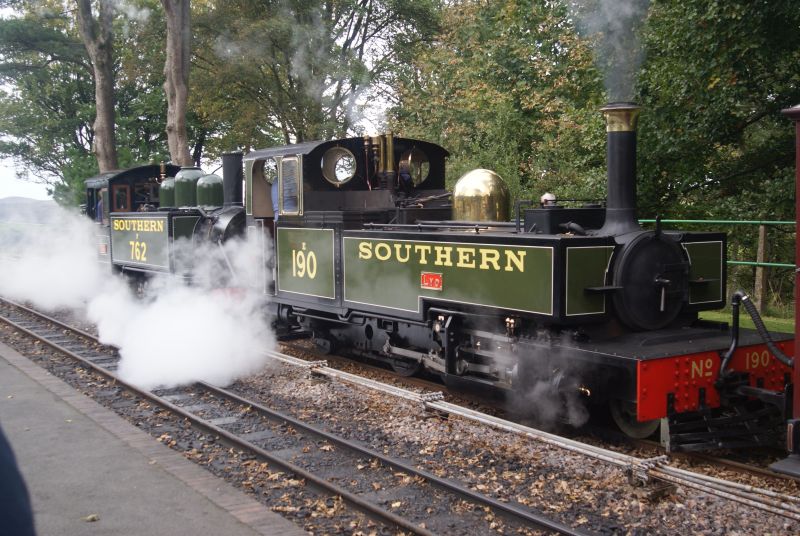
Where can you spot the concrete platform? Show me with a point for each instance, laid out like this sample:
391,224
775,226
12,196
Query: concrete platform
80,459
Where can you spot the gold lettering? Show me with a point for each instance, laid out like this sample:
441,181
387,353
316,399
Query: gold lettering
364,250
397,248
443,256
141,226
489,256
423,252
466,257
697,369
517,258
463,256
382,251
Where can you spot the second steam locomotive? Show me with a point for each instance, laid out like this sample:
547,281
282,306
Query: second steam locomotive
373,256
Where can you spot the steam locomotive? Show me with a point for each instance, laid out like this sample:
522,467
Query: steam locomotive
373,256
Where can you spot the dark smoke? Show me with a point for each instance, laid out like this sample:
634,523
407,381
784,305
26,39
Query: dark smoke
614,26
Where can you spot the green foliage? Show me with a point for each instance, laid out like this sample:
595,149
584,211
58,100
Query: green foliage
507,86
715,78
713,143
272,71
774,324
510,85
47,112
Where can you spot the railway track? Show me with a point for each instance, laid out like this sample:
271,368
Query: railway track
656,468
306,353
389,490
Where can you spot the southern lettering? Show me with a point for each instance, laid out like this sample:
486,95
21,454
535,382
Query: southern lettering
139,226
466,256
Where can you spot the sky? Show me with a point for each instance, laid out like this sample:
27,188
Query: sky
11,186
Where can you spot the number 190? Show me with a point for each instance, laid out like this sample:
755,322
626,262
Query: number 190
304,264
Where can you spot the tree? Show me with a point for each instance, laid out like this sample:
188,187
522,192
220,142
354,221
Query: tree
47,104
714,80
511,87
98,38
176,78
713,142
288,70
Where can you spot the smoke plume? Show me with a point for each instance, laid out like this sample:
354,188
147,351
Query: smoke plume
178,332
613,25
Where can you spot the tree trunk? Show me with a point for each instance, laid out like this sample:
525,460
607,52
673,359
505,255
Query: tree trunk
98,39
176,72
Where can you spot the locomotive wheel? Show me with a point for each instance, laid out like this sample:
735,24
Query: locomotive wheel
624,415
405,367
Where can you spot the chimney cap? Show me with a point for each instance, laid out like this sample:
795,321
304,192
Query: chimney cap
621,116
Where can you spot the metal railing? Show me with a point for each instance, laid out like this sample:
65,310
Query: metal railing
757,264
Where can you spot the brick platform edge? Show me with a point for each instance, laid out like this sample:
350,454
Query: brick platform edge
244,508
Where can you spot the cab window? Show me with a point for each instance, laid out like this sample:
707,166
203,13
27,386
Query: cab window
122,198
289,186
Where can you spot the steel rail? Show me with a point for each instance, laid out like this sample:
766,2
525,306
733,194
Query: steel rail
371,510
707,458
654,469
510,510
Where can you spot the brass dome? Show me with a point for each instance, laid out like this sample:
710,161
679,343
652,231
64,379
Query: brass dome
481,195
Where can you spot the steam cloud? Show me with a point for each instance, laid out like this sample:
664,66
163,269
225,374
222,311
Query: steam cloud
554,398
176,334
132,11
614,25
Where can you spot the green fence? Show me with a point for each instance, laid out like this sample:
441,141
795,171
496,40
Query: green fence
739,222
761,265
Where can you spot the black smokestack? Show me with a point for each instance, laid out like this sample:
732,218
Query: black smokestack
621,119
232,179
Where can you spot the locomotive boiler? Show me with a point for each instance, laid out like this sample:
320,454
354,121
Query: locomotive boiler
373,256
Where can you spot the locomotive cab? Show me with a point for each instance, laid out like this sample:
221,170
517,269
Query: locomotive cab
130,190
384,178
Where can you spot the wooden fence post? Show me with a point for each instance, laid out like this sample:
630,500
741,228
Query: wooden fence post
760,289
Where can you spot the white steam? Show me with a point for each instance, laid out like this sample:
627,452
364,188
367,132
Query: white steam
131,11
183,335
51,263
178,333
614,24
553,398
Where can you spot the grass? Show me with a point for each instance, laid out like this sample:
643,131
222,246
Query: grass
774,324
